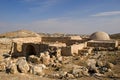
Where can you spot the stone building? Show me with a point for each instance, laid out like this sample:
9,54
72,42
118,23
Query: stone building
99,36
73,49
5,45
69,45
101,39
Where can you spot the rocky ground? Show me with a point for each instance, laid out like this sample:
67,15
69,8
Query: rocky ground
102,65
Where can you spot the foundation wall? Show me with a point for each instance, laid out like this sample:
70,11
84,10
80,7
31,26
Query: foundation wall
66,51
89,44
5,45
55,39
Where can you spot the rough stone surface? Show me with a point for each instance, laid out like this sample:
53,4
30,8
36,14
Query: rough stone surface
91,62
2,66
37,70
99,64
58,53
13,68
93,69
33,59
80,71
109,65
23,65
45,58
71,76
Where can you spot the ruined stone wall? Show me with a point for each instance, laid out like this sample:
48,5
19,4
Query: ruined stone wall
75,37
27,40
57,44
5,45
54,39
43,47
71,42
73,49
66,51
26,48
102,44
76,47
19,44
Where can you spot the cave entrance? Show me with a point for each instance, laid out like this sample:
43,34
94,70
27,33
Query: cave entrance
30,50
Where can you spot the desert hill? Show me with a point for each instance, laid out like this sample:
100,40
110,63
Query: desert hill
115,36
19,34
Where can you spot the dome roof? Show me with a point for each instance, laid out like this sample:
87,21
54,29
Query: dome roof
100,36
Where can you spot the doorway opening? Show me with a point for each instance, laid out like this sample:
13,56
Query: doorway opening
30,50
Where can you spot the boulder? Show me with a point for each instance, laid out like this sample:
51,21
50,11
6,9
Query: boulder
71,76
91,62
99,64
2,66
22,65
46,58
8,61
99,75
37,69
62,74
33,59
55,75
85,71
60,59
13,68
80,71
109,65
6,55
58,53
93,69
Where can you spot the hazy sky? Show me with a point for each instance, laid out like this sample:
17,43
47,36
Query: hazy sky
64,16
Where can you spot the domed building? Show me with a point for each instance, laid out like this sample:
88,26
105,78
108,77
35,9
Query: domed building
101,39
99,36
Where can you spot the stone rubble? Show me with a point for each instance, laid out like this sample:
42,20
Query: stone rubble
37,64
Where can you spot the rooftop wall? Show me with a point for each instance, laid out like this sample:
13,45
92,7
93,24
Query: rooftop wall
73,49
54,39
102,43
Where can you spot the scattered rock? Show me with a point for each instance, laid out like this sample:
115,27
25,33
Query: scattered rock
37,70
109,65
71,76
34,59
63,74
60,59
8,61
46,58
99,64
55,75
6,55
22,64
13,68
99,75
2,66
80,71
91,62
93,69
58,53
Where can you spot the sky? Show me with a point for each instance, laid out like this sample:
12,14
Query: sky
60,16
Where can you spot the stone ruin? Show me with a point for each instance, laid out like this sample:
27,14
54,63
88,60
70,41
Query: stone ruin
34,54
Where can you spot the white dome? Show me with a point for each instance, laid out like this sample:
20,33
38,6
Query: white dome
100,36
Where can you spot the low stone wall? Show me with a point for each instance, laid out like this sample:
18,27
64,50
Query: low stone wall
5,45
54,39
72,50
105,44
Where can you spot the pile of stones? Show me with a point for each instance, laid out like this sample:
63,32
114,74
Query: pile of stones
20,65
34,64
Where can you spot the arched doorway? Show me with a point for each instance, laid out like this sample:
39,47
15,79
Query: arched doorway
30,50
